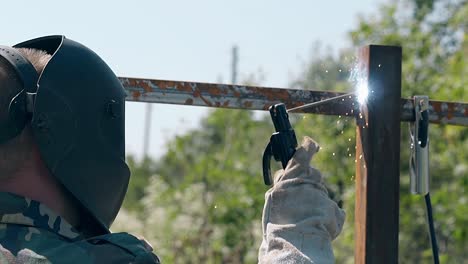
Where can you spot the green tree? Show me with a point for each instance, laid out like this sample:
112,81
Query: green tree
203,202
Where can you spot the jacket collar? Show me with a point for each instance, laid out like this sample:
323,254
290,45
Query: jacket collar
20,210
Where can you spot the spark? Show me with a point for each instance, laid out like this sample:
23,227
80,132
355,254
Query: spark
359,79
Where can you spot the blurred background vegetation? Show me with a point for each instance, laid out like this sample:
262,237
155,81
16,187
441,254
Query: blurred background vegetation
202,201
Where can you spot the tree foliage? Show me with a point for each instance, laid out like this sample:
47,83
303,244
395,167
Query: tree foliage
202,202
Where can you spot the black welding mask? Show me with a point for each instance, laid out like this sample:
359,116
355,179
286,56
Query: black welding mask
77,115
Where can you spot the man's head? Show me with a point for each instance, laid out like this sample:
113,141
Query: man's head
15,152
74,115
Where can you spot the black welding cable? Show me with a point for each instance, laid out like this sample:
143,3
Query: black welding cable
432,234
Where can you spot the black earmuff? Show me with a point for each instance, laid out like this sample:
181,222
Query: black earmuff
21,105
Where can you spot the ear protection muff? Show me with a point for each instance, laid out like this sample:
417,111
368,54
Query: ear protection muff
21,105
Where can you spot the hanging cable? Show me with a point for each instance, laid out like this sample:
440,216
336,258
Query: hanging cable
432,234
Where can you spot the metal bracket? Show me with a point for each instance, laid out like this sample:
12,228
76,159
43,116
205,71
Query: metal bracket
419,137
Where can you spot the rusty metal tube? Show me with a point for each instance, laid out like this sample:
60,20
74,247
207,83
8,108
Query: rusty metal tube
260,98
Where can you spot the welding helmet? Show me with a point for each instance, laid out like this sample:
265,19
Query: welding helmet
76,111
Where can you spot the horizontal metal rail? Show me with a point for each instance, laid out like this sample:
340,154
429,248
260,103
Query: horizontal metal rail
260,98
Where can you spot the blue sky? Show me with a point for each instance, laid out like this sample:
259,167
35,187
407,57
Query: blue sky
188,40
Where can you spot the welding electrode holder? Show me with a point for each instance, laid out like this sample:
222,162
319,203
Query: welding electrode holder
283,142
419,137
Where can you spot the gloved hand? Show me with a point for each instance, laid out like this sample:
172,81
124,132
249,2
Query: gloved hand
25,256
299,219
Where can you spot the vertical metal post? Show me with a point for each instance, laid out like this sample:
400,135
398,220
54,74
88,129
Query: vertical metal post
378,156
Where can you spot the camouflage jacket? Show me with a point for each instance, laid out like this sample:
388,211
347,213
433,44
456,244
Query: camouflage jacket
32,233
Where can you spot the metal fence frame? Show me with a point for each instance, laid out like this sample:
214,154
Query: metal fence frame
378,128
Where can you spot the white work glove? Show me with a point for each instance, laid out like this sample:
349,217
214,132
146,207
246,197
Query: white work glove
25,256
299,219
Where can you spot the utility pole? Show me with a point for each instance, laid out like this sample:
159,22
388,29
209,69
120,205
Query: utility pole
235,59
146,137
